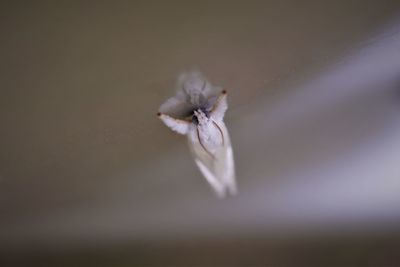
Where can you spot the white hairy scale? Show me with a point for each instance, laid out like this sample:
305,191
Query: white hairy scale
209,134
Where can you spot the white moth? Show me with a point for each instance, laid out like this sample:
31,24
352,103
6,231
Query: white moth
197,110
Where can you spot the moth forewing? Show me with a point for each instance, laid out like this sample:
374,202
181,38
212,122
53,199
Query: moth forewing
205,162
177,125
217,186
216,167
225,162
219,108
176,106
225,154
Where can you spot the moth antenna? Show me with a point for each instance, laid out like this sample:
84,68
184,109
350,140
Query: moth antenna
220,130
201,143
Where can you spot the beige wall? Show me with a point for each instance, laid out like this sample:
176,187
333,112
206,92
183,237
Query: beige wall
84,160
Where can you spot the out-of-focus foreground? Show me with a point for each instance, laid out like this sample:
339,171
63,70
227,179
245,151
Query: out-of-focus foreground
88,174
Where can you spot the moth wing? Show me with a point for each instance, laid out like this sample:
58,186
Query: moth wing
176,106
218,169
179,126
216,185
224,162
205,162
220,106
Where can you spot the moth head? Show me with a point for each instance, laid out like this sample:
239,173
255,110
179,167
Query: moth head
200,117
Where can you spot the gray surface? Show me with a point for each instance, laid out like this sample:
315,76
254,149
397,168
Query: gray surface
85,161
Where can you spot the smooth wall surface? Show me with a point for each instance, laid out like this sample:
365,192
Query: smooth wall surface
89,174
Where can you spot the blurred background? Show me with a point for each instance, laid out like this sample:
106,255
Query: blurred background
89,176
